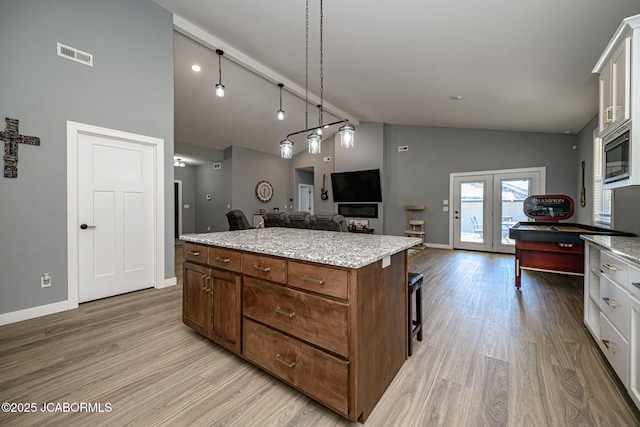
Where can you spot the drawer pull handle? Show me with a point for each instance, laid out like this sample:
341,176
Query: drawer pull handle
312,280
205,283
610,267
265,269
225,260
636,284
610,302
194,253
289,365
285,313
606,344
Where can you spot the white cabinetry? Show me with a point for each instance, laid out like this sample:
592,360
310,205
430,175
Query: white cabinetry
619,91
615,87
612,312
634,336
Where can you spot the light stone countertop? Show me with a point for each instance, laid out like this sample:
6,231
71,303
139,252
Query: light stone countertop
350,250
627,247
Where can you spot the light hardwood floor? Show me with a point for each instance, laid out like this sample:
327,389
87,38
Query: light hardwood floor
490,356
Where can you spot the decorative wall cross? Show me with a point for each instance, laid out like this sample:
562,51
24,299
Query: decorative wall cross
12,138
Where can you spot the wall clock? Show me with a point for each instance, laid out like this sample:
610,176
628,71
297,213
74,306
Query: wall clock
264,191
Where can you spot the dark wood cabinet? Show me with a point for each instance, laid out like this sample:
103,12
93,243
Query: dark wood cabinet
195,299
225,309
211,298
337,334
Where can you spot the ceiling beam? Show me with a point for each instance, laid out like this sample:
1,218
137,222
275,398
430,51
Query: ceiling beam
206,39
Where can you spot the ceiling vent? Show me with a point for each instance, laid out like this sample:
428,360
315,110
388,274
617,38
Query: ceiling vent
75,54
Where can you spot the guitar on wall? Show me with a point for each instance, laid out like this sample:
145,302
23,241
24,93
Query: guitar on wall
324,193
583,201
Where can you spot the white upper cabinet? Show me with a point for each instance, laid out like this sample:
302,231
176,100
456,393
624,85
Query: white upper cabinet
615,87
619,98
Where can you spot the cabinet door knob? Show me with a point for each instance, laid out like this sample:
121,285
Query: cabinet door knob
289,314
608,346
312,280
285,362
205,283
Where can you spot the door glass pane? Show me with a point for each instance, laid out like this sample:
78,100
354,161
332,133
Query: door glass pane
513,194
471,212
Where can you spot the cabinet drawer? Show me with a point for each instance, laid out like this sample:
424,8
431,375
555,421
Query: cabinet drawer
227,259
265,267
613,267
633,285
315,319
194,252
615,349
323,280
614,303
312,371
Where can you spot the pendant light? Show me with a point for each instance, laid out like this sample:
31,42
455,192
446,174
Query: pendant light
219,86
286,148
280,112
314,139
347,135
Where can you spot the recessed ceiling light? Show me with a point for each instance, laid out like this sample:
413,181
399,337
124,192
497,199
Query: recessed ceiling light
196,67
456,97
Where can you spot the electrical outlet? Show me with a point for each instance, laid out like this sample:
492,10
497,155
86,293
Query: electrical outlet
45,280
403,148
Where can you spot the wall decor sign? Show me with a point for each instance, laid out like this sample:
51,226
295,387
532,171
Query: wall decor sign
11,137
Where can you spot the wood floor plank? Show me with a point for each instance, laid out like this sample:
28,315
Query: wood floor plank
490,356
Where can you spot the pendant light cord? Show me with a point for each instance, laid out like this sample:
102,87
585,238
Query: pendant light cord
306,69
321,62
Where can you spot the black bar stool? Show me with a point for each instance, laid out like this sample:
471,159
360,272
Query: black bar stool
415,326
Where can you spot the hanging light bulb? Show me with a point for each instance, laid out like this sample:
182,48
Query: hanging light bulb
347,136
286,148
280,112
315,143
219,86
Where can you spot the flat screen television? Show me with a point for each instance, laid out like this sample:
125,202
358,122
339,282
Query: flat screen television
356,186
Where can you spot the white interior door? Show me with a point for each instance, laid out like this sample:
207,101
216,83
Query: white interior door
116,215
305,198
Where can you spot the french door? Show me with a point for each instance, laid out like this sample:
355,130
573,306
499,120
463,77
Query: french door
486,205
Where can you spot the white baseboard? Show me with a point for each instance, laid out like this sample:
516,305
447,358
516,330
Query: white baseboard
438,246
171,281
33,312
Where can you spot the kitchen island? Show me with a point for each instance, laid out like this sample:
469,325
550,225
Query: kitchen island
325,312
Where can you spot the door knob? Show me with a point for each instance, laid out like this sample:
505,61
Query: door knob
85,226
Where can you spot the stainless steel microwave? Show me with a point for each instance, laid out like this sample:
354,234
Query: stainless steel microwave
616,154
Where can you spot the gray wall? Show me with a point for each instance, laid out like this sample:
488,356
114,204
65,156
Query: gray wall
210,214
316,163
585,152
187,175
421,175
130,88
249,168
